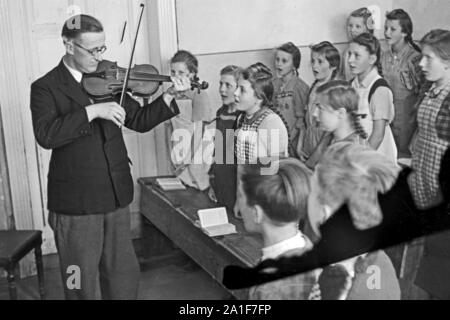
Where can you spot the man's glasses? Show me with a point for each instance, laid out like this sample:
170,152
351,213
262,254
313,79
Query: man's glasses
94,51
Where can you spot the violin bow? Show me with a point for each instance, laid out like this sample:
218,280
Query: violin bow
127,75
123,32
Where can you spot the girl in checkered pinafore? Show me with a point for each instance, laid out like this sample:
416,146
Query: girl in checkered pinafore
246,145
261,132
433,139
433,135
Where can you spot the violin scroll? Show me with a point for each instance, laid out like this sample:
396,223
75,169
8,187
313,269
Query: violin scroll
196,84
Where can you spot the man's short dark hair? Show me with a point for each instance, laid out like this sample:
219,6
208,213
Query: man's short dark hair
79,24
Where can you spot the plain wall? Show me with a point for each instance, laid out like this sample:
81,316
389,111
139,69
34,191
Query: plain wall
426,14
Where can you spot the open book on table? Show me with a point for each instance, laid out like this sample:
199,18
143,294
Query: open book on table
214,222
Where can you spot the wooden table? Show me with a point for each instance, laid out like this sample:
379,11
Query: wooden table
174,213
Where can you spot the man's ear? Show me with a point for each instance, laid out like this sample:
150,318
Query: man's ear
342,113
69,45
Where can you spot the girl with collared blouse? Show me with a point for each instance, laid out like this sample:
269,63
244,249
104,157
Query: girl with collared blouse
290,96
400,63
428,148
376,98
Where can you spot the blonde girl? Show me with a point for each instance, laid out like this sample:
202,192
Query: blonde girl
337,115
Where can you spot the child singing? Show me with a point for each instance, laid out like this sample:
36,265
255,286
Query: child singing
337,115
223,170
325,61
401,70
291,94
376,99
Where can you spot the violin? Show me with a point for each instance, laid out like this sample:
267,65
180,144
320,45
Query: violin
143,81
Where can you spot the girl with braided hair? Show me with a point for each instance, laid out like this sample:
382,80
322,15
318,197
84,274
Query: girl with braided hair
337,114
401,70
375,97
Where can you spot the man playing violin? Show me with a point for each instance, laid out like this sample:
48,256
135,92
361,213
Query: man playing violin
89,181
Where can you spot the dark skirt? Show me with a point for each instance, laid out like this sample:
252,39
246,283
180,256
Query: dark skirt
224,184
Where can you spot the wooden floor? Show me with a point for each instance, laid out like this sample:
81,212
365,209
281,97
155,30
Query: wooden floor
170,278
166,274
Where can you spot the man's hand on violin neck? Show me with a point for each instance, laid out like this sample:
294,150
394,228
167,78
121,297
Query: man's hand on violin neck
111,111
179,85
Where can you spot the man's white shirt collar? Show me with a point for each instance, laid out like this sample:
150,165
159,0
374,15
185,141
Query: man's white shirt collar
273,252
77,75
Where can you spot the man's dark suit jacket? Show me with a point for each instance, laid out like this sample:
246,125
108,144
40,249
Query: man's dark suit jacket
89,168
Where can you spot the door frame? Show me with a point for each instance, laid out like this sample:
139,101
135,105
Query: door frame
15,80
